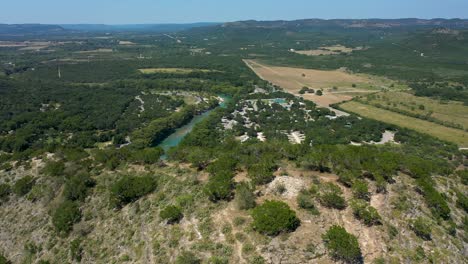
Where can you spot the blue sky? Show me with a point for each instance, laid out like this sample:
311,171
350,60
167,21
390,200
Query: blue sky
182,11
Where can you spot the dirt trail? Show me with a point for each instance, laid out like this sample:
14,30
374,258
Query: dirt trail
146,237
226,216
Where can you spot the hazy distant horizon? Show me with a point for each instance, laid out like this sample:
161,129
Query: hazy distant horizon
124,12
222,22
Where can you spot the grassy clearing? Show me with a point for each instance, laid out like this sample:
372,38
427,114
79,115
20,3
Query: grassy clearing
330,50
337,85
95,51
172,70
456,136
449,112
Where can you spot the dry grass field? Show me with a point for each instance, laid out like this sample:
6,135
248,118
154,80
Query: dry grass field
453,135
294,79
331,50
172,70
95,51
442,111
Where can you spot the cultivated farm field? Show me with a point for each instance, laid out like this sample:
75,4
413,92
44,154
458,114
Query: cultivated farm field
331,50
453,135
337,85
450,112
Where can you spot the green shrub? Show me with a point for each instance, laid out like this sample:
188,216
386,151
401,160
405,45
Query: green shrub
172,214
5,191
76,250
65,216
218,260
40,191
331,196
462,201
76,187
23,185
463,174
245,198
361,190
54,168
305,200
130,188
319,92
341,245
148,155
4,260
187,257
366,213
257,260
435,201
220,186
260,173
421,228
274,217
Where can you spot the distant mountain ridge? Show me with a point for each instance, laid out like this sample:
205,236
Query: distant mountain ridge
352,23
40,29
25,29
135,27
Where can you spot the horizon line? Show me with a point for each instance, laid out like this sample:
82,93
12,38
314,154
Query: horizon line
215,22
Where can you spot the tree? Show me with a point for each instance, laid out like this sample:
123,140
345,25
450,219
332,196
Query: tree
130,188
65,216
148,155
260,173
54,168
5,191
274,217
341,245
319,92
220,186
23,185
76,187
172,214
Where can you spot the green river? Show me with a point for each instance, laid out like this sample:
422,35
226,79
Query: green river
175,138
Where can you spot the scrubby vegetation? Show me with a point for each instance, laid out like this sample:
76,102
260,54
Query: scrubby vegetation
129,188
342,245
274,217
331,196
366,213
245,198
23,185
66,214
84,176
172,214
421,228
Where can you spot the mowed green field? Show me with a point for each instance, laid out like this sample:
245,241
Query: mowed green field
443,111
453,135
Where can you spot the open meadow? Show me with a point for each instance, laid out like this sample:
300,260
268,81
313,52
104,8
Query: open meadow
173,70
453,135
337,85
450,113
